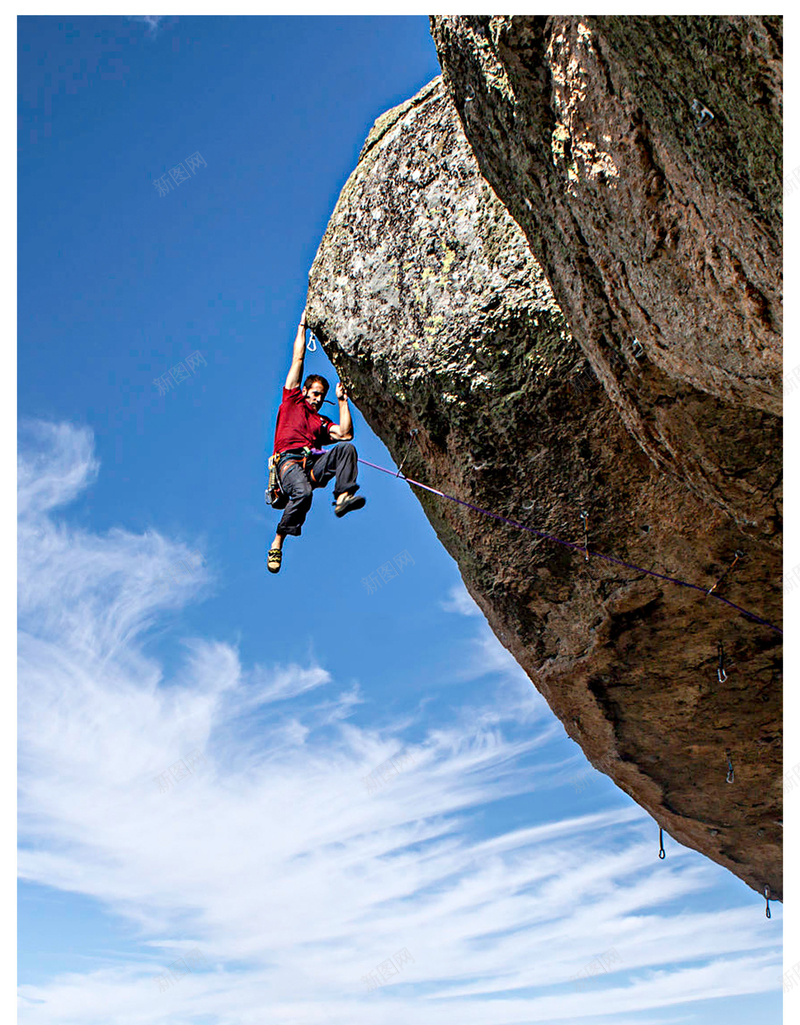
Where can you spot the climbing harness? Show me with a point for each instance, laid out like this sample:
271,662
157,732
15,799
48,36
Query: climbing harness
571,544
767,893
739,555
722,676
729,777
585,520
275,495
661,852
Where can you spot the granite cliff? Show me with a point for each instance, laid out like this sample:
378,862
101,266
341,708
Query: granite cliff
573,299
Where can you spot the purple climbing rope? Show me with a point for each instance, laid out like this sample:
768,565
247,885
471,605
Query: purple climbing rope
577,547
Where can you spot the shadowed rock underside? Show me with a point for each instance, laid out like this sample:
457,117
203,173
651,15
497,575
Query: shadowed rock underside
659,233
428,301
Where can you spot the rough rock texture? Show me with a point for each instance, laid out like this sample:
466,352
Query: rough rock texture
648,226
427,299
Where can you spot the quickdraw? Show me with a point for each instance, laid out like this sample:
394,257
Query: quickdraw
739,554
410,443
577,547
722,676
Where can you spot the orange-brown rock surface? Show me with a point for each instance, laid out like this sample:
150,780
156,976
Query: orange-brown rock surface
428,298
652,221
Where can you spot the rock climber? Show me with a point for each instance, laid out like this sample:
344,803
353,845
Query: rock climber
298,464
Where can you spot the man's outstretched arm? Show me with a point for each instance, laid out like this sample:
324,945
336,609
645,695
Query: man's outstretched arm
295,375
343,431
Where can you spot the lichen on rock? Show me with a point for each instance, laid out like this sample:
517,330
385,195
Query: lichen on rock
659,233
427,298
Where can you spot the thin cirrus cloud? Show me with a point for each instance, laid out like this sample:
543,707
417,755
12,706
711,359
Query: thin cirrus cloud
152,21
459,601
293,879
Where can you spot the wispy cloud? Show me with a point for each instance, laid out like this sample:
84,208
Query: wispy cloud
461,602
272,868
484,656
152,21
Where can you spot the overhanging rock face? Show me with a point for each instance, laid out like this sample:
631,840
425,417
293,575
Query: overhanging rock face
428,301
658,225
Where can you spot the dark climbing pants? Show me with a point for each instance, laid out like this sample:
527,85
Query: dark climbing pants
341,462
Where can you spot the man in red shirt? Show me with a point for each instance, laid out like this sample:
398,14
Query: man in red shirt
300,433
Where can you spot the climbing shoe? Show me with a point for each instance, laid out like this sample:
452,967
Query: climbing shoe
274,560
348,504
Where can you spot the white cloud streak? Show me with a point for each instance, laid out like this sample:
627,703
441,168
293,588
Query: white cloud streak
460,602
152,21
271,857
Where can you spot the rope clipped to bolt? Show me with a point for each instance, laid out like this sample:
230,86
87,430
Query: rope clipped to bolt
577,547
408,449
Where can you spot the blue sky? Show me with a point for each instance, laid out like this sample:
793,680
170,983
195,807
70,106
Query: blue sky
322,795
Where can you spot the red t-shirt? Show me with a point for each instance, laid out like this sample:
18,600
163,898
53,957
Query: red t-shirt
298,425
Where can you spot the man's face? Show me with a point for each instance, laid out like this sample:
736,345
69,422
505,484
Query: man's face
314,394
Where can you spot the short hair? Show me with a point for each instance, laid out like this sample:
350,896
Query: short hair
316,377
